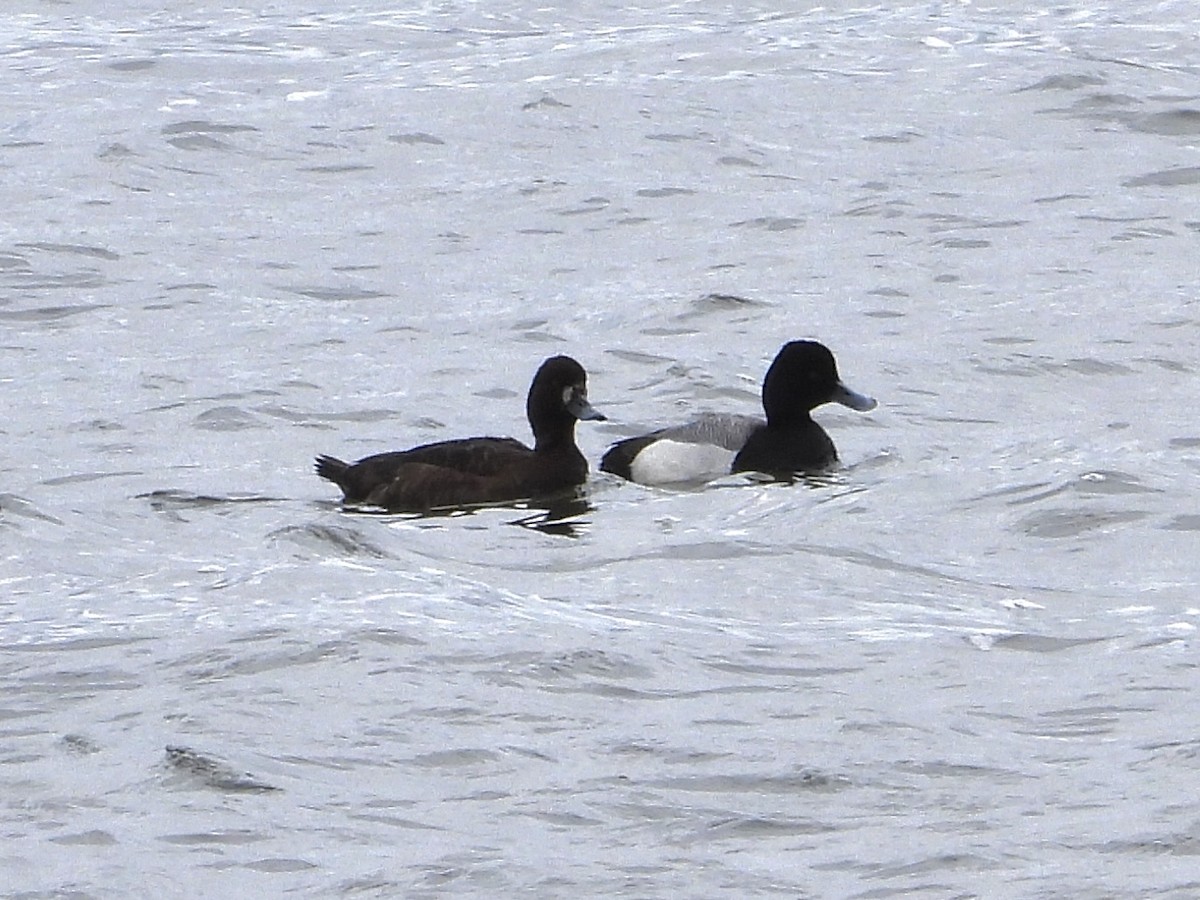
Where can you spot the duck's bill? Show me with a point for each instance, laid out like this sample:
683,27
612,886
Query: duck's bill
853,399
581,409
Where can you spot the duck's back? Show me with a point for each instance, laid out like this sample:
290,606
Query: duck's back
476,457
726,430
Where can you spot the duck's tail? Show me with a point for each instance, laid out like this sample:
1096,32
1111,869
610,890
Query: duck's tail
618,459
331,468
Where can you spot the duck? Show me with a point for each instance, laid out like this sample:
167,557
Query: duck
481,470
787,442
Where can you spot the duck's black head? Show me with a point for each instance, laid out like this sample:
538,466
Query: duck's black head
557,399
803,376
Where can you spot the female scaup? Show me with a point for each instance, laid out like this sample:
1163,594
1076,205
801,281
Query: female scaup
484,469
802,377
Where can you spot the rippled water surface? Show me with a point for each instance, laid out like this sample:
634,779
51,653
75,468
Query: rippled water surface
962,665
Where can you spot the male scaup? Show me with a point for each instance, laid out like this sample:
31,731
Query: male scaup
802,377
484,469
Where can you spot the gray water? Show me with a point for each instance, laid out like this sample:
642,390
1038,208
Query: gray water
963,665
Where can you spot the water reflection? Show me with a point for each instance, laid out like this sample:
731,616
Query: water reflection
173,502
556,515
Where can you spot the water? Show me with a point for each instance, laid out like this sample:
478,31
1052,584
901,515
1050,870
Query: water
960,666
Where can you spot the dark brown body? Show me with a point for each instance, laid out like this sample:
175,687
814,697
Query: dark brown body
481,470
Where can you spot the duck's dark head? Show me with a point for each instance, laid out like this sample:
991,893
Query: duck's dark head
558,398
803,376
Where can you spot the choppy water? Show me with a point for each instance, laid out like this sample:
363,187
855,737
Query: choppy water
962,666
